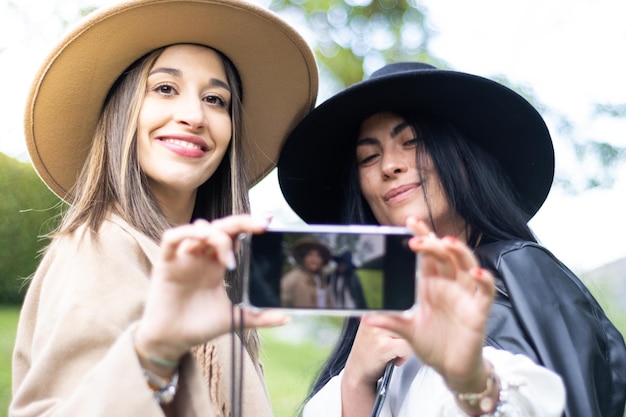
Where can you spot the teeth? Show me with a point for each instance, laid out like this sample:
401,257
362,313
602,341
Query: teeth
183,143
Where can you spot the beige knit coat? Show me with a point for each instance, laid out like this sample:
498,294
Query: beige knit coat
74,354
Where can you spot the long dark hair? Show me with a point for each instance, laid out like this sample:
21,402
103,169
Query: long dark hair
477,188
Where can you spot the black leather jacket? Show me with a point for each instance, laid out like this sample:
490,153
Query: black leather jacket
545,312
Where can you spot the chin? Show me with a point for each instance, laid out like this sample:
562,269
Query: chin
395,221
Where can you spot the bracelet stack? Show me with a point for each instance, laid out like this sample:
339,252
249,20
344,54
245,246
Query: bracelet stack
163,389
165,363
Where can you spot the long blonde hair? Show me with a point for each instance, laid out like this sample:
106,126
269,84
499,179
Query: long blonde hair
111,179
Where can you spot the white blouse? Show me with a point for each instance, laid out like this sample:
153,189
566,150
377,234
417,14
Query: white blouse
418,390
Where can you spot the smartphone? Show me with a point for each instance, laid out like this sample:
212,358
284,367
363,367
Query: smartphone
331,269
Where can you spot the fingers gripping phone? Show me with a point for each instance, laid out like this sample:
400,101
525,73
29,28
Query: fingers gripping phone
342,270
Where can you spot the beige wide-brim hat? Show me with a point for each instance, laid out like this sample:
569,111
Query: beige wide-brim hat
301,247
277,68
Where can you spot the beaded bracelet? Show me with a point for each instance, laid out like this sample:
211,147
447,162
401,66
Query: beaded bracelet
511,402
483,400
163,389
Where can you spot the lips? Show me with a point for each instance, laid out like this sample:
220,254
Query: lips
398,193
188,141
185,145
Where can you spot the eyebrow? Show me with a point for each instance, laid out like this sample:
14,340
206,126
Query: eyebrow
395,131
399,128
213,82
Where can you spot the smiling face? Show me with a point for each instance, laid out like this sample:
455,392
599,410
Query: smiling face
313,260
390,181
184,126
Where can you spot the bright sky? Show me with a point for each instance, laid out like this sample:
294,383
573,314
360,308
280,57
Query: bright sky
571,52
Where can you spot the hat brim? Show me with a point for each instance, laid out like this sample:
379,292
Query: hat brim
276,66
300,249
488,113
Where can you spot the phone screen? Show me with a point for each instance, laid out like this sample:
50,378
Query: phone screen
340,269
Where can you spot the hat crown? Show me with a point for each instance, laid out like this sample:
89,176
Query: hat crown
398,68
83,66
488,113
344,257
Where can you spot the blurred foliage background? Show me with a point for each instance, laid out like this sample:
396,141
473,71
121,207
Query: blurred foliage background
27,210
351,39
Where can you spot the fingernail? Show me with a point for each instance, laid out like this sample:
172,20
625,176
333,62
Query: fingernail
478,271
450,239
231,262
264,220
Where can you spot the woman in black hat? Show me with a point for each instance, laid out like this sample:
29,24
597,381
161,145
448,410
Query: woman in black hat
345,287
472,160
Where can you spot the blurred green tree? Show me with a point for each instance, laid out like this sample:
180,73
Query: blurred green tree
354,37
28,210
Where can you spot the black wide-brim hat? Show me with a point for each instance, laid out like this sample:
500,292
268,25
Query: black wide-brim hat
346,259
495,117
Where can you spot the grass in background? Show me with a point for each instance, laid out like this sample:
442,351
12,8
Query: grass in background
372,283
292,356
291,361
613,306
8,326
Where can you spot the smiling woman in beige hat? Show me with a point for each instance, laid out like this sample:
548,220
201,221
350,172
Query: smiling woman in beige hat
151,119
306,284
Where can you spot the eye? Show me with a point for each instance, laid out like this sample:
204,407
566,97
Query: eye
410,143
216,100
164,89
366,159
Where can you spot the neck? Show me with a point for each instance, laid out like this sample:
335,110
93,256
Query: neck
454,226
177,206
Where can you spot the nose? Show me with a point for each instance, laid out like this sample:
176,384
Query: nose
392,165
190,112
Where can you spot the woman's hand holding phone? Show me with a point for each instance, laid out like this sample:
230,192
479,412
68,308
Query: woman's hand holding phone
447,328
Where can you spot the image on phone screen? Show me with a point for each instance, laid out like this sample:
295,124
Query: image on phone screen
333,269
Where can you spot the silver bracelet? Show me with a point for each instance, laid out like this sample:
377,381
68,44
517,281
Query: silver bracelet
163,389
